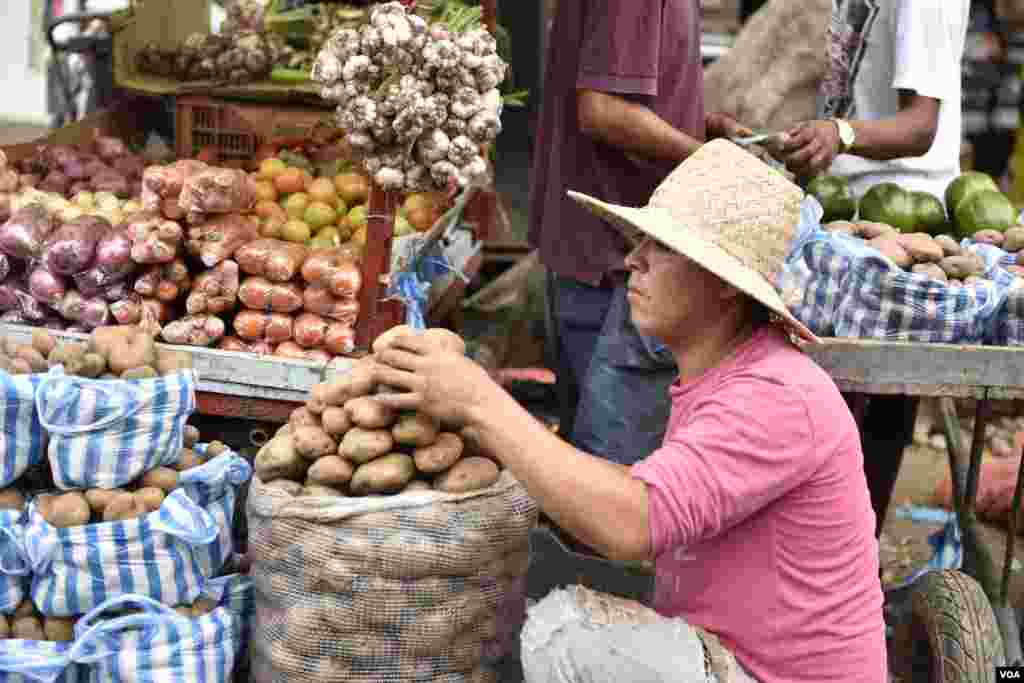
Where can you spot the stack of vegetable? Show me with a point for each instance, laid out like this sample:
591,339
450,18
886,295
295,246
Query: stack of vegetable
344,443
107,165
419,103
237,58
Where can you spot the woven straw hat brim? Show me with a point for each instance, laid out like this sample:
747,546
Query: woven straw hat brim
659,224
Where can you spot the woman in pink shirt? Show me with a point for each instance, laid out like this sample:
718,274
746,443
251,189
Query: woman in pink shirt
755,508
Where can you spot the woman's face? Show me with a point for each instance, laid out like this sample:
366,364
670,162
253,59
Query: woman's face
670,296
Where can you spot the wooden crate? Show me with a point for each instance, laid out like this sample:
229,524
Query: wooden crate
236,129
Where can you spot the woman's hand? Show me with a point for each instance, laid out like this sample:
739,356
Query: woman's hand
446,385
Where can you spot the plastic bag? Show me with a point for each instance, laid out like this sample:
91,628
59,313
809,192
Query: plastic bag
290,349
219,238
310,330
5,267
168,555
164,182
319,300
214,291
194,330
14,569
46,287
72,247
261,294
25,232
337,270
165,282
257,325
22,437
401,588
113,262
340,339
15,298
107,433
90,313
154,239
216,190
275,260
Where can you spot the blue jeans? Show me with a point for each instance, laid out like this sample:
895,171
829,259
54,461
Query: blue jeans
613,381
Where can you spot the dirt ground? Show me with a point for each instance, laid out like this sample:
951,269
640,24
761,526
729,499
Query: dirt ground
904,545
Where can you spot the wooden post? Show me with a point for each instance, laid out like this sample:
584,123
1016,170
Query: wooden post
375,314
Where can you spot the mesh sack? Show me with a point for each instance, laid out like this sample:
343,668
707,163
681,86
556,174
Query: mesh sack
384,588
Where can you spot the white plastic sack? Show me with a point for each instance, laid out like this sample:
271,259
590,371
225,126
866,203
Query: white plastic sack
107,433
22,437
167,555
14,578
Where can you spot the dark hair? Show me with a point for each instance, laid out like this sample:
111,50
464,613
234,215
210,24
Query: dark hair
759,314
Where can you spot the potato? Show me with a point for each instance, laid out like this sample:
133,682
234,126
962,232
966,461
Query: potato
98,499
921,247
312,442
104,339
59,629
203,606
28,628
124,506
190,436
163,478
840,226
441,455
215,448
184,611
5,627
890,247
169,361
1013,238
363,445
415,429
141,372
292,488
417,485
335,421
71,356
36,361
25,608
950,247
43,342
386,474
959,267
319,490
470,474
993,237
11,499
331,470
137,350
187,459
368,413
151,497
931,270
65,510
869,230
277,459
304,417
93,365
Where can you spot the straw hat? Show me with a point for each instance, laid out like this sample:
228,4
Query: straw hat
727,211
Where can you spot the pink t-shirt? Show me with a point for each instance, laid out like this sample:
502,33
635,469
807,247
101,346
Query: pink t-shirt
761,521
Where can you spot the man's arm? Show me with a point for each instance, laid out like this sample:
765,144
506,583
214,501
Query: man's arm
810,148
636,129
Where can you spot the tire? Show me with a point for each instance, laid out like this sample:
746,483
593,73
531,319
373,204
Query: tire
953,633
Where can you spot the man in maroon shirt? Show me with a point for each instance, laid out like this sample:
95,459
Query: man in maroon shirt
623,105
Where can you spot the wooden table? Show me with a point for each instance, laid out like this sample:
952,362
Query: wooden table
865,370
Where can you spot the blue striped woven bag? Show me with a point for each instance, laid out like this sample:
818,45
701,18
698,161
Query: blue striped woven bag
22,437
14,569
107,433
152,645
168,555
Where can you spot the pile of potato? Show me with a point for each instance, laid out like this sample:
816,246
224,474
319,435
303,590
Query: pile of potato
940,258
344,443
145,495
114,352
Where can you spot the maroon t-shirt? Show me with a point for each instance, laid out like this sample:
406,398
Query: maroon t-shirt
647,51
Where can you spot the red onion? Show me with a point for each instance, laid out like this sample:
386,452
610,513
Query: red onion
46,287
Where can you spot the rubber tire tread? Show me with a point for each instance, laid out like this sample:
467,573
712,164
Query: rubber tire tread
951,610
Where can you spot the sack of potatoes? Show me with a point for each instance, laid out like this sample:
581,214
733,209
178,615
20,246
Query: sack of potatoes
345,443
940,258
164,534
15,578
112,352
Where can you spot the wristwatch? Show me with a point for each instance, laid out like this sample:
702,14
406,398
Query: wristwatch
847,136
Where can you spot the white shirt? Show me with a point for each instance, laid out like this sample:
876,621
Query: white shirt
878,47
